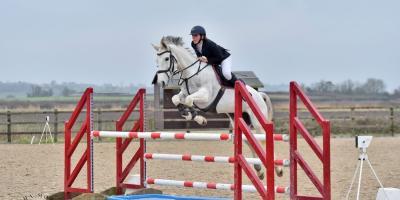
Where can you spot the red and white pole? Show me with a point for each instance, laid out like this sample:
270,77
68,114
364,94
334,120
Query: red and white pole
181,136
209,185
201,158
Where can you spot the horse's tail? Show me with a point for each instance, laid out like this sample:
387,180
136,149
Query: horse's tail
268,102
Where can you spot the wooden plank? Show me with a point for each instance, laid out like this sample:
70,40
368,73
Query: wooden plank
167,95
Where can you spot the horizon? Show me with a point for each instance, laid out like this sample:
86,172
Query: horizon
121,87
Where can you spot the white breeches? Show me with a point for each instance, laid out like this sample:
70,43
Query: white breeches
226,68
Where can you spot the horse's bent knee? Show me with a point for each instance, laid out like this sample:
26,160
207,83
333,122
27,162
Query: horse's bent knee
189,101
176,100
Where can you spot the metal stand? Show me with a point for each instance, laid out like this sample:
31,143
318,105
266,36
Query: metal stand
363,157
46,130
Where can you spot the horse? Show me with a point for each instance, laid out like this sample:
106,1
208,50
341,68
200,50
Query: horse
200,88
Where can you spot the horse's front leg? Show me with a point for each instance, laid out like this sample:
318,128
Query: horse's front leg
185,111
178,100
202,95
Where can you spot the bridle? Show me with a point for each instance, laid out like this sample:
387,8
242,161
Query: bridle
171,69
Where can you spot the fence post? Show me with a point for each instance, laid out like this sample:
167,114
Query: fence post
352,113
55,125
392,121
352,119
158,111
99,121
9,126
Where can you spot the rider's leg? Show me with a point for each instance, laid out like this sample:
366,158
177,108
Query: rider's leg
226,66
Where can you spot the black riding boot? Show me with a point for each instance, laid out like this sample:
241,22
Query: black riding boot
234,79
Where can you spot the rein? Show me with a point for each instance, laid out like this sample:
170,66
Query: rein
171,69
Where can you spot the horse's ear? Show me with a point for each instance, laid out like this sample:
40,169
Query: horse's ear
163,44
157,48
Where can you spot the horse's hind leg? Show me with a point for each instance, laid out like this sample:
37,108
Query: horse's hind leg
257,167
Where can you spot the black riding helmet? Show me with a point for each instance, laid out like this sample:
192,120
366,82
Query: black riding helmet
198,30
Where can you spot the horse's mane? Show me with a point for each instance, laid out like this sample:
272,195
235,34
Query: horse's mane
177,41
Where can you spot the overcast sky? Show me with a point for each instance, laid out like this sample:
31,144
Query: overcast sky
109,41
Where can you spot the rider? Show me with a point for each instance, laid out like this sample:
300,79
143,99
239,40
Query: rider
209,52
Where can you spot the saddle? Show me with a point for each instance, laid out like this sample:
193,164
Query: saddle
230,84
225,84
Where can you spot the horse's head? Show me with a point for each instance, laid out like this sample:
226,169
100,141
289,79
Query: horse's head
166,63
169,52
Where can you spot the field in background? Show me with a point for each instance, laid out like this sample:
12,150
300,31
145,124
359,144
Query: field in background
20,120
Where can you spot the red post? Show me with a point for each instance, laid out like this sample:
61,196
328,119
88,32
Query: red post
69,178
267,157
121,144
327,160
293,141
269,131
324,187
142,141
67,159
89,144
118,157
237,144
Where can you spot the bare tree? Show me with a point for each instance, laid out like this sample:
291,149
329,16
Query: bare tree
346,87
396,92
323,86
66,92
374,86
38,91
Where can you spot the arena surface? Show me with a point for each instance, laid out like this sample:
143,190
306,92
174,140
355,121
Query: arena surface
34,170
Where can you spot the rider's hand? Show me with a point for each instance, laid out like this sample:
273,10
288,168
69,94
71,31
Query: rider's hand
203,59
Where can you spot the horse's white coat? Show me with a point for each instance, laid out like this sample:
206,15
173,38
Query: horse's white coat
204,87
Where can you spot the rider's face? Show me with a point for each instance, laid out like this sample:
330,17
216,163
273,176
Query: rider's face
196,38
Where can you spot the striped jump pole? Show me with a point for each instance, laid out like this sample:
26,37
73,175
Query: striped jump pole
181,136
205,185
218,159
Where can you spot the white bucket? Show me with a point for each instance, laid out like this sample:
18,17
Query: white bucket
391,193
132,179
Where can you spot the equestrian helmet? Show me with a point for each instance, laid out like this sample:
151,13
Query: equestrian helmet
198,30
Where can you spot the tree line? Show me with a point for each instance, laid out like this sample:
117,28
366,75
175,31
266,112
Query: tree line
25,89
371,86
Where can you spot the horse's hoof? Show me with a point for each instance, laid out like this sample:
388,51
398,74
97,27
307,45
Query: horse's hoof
257,167
200,120
280,173
261,176
188,116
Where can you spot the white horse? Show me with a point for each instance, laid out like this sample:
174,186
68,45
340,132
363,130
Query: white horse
200,88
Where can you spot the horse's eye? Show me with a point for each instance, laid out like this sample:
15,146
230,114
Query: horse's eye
166,59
